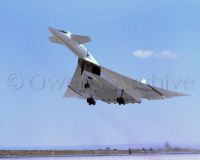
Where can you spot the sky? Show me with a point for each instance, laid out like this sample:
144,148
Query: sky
156,40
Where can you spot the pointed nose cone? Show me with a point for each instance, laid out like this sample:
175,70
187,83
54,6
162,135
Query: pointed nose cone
53,31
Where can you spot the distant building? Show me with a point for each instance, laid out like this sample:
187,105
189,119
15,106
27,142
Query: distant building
129,151
167,146
107,148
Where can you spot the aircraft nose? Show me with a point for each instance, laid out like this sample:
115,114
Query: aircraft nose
53,30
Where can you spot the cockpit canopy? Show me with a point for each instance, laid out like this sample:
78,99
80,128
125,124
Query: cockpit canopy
63,31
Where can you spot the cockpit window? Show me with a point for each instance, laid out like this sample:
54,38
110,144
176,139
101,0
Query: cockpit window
62,31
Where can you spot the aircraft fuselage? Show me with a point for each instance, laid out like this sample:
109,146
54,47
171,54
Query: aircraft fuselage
78,49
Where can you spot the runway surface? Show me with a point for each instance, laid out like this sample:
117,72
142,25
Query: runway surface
139,157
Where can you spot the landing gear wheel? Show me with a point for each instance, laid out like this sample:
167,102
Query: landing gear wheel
91,101
121,101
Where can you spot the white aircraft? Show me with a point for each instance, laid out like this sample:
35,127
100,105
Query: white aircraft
93,82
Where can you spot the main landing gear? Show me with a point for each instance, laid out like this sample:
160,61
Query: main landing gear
121,101
91,101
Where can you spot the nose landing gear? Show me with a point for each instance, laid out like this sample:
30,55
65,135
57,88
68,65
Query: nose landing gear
87,85
91,101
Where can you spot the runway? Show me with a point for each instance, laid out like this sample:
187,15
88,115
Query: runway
139,157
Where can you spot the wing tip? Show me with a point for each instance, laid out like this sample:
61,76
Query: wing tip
183,94
177,94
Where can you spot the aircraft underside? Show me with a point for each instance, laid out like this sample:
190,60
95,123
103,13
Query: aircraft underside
92,87
94,82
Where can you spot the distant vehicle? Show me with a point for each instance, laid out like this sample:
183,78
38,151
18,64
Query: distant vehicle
93,82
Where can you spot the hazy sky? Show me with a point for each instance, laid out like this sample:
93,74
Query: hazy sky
156,40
